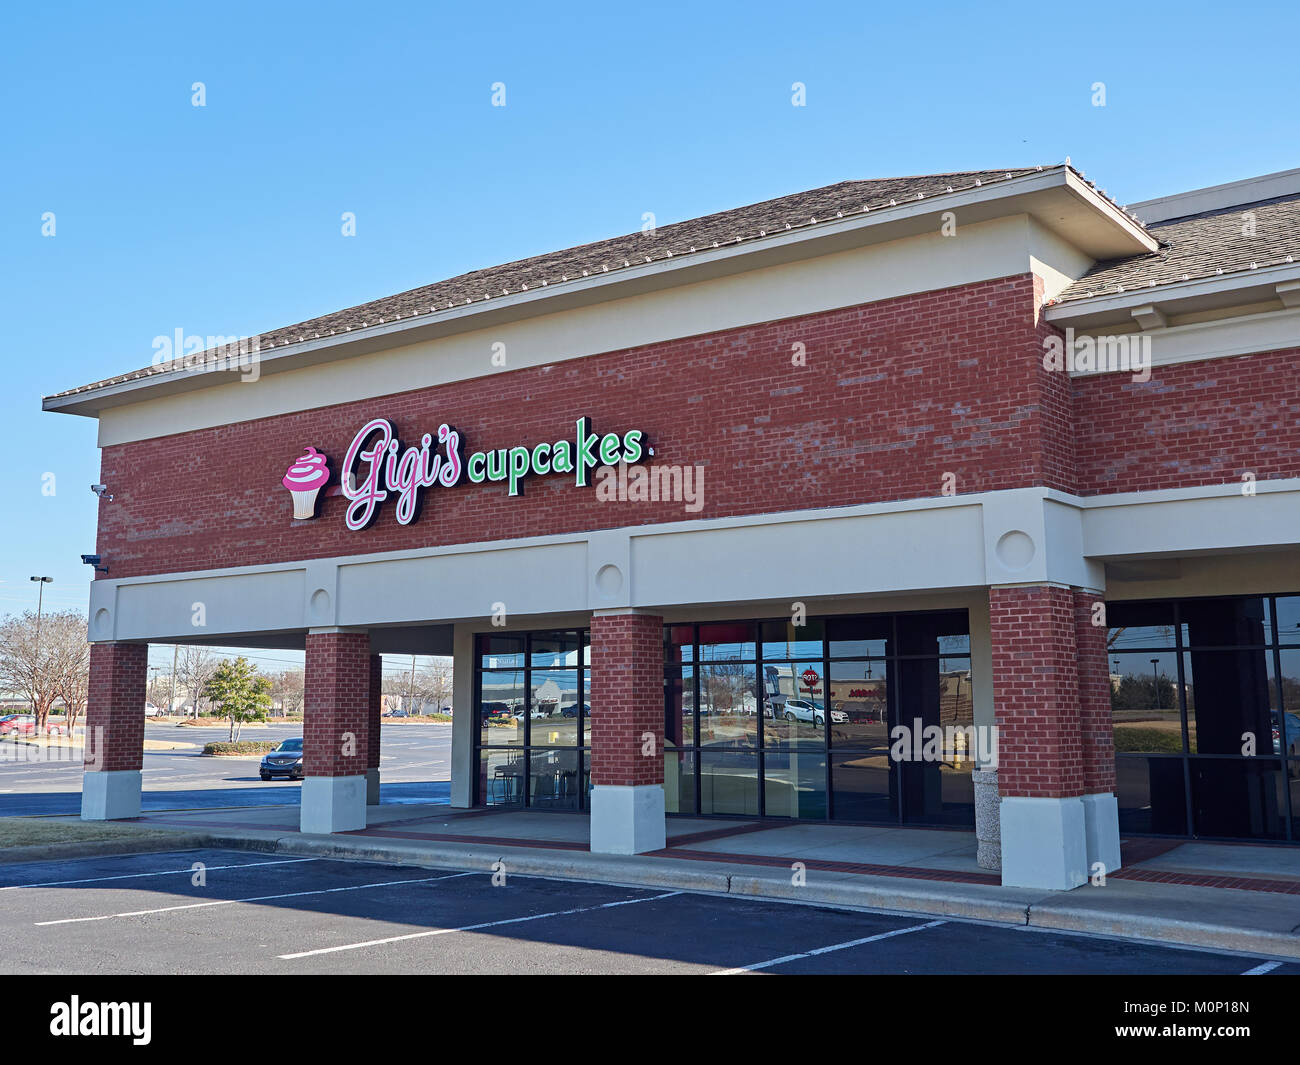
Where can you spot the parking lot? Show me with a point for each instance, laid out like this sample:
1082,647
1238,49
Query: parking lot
415,766
255,913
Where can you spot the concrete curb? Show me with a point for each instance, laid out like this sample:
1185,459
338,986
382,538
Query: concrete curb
42,852
1168,930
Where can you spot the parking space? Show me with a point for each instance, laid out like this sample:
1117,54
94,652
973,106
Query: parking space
215,911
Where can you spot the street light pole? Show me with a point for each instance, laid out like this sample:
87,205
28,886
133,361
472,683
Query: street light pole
1155,682
41,582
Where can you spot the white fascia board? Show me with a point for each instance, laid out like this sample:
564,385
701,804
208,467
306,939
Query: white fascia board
1177,297
876,226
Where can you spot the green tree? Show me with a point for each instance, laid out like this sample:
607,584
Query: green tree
239,693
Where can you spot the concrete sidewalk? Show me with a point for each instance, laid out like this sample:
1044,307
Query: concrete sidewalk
1223,896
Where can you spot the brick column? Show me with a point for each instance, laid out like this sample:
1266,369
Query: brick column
336,731
627,733
376,722
1040,761
1100,806
114,743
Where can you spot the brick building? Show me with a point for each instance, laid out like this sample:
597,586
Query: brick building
736,516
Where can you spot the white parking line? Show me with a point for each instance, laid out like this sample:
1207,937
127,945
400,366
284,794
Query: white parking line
1260,970
472,927
256,898
826,950
161,872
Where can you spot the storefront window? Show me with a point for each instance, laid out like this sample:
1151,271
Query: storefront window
1202,697
795,721
533,700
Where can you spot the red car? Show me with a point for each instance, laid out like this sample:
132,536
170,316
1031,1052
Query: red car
25,725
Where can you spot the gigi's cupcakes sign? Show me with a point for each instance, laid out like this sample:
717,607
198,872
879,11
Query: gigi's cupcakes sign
377,465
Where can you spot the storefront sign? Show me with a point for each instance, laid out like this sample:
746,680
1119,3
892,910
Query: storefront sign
377,465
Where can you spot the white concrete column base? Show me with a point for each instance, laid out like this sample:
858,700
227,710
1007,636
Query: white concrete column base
333,804
1043,843
1101,831
110,795
372,787
627,819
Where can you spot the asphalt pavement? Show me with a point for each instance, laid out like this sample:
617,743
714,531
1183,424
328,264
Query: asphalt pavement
415,766
234,912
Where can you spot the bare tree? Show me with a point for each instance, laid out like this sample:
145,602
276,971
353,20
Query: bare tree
25,663
64,637
433,686
194,669
287,688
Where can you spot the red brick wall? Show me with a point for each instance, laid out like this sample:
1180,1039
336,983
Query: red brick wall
627,698
894,395
336,703
1194,423
115,706
1036,691
1095,726
375,715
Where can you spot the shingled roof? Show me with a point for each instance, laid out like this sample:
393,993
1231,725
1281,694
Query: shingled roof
732,227
1199,246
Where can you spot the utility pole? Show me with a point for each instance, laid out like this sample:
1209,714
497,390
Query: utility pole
412,685
171,690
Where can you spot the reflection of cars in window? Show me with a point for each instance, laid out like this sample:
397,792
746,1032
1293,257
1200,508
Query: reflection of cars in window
571,709
488,711
1292,744
803,710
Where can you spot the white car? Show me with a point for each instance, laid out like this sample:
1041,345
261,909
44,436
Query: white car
802,710
150,710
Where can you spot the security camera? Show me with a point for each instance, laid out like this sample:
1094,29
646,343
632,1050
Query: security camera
101,490
93,560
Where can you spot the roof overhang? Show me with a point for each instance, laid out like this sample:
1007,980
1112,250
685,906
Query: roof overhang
1056,197
1219,292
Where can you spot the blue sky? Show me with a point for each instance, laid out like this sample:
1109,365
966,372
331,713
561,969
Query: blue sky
225,219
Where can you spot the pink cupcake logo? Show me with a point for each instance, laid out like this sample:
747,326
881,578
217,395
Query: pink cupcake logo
305,478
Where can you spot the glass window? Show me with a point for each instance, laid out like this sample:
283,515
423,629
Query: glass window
679,698
501,778
933,634
1137,626
679,644
1228,701
794,784
1225,622
728,782
729,642
865,637
783,641
679,781
1242,798
794,704
1144,704
1287,620
553,780
728,705
1289,743
585,708
554,649
862,786
501,652
859,703
501,708
1152,795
